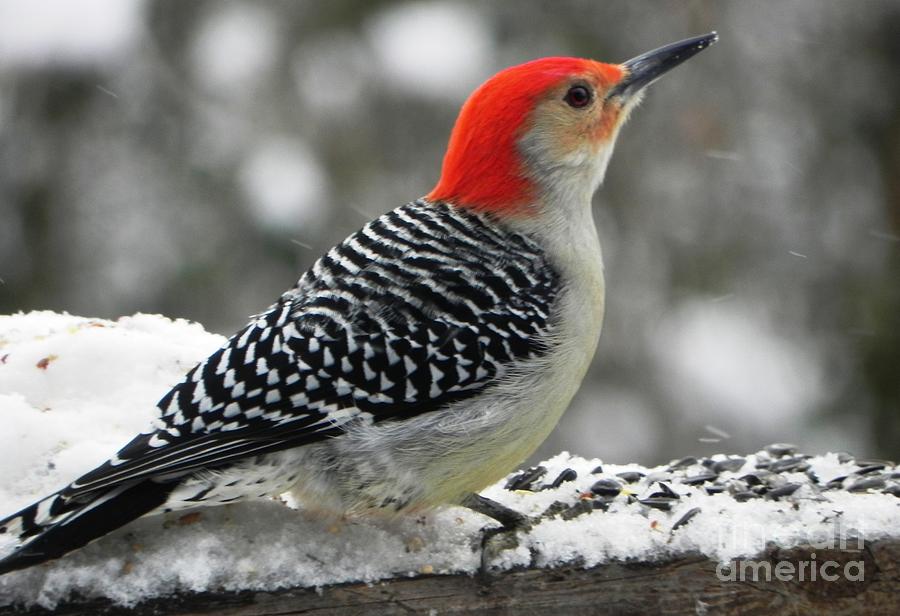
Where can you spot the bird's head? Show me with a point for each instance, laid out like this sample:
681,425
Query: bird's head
544,130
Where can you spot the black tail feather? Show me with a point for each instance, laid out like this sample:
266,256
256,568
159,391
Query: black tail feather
23,523
103,514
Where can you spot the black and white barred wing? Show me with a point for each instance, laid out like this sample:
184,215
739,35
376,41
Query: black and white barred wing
373,332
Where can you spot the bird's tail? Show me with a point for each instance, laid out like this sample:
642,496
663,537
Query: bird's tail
55,525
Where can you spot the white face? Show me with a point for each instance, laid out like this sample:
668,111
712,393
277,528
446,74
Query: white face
571,136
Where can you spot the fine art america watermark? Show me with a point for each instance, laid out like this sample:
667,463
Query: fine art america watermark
813,568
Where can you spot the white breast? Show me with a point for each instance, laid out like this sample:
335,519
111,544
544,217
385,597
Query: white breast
439,458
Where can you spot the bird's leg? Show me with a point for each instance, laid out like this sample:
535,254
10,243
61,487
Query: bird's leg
511,522
509,518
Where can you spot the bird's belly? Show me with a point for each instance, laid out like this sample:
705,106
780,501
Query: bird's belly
441,457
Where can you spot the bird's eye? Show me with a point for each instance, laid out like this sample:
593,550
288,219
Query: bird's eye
578,97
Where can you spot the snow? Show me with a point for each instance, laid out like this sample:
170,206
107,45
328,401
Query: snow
723,530
96,373
72,390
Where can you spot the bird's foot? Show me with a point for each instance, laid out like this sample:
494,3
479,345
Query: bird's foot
496,539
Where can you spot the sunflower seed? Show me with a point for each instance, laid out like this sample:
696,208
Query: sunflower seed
525,479
742,497
752,479
836,484
882,463
658,502
867,483
555,508
682,463
702,477
781,449
868,468
567,475
630,476
785,490
893,490
796,464
602,503
731,464
606,487
664,492
685,518
577,509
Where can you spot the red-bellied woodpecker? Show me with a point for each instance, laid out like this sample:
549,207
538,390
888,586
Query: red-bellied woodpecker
419,360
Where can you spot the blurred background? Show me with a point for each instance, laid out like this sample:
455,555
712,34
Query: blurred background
192,158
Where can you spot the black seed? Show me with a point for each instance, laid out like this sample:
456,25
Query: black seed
785,490
579,508
601,503
554,508
796,464
606,487
881,463
566,475
836,483
707,462
742,497
752,479
658,502
682,463
867,483
763,464
781,449
731,464
868,468
664,492
894,490
597,470
703,477
630,476
525,479
894,475
716,488
685,518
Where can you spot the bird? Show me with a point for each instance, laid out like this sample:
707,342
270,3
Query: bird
418,361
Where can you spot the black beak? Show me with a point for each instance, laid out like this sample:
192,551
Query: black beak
643,70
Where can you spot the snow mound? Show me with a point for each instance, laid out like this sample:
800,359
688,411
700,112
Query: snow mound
73,390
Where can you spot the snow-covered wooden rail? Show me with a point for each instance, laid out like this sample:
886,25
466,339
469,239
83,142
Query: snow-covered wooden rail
728,534
684,585
776,530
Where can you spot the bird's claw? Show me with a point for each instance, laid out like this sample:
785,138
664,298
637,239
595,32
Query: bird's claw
497,539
